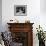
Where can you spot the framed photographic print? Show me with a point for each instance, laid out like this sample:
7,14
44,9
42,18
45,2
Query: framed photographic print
20,10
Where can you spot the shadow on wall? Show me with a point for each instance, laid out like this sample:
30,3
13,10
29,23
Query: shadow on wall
43,6
0,15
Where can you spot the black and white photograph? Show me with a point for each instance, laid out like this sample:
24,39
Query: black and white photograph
20,10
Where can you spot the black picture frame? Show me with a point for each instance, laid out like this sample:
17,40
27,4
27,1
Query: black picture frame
20,10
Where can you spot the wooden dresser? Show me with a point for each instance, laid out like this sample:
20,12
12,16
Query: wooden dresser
22,33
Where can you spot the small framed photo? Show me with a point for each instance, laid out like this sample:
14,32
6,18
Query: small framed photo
20,10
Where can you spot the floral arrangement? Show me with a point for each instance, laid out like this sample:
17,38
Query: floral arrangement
40,33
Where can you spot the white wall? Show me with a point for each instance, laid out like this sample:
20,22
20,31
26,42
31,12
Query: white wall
43,6
33,10
0,15
43,14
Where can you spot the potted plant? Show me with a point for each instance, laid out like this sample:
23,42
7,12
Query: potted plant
41,36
